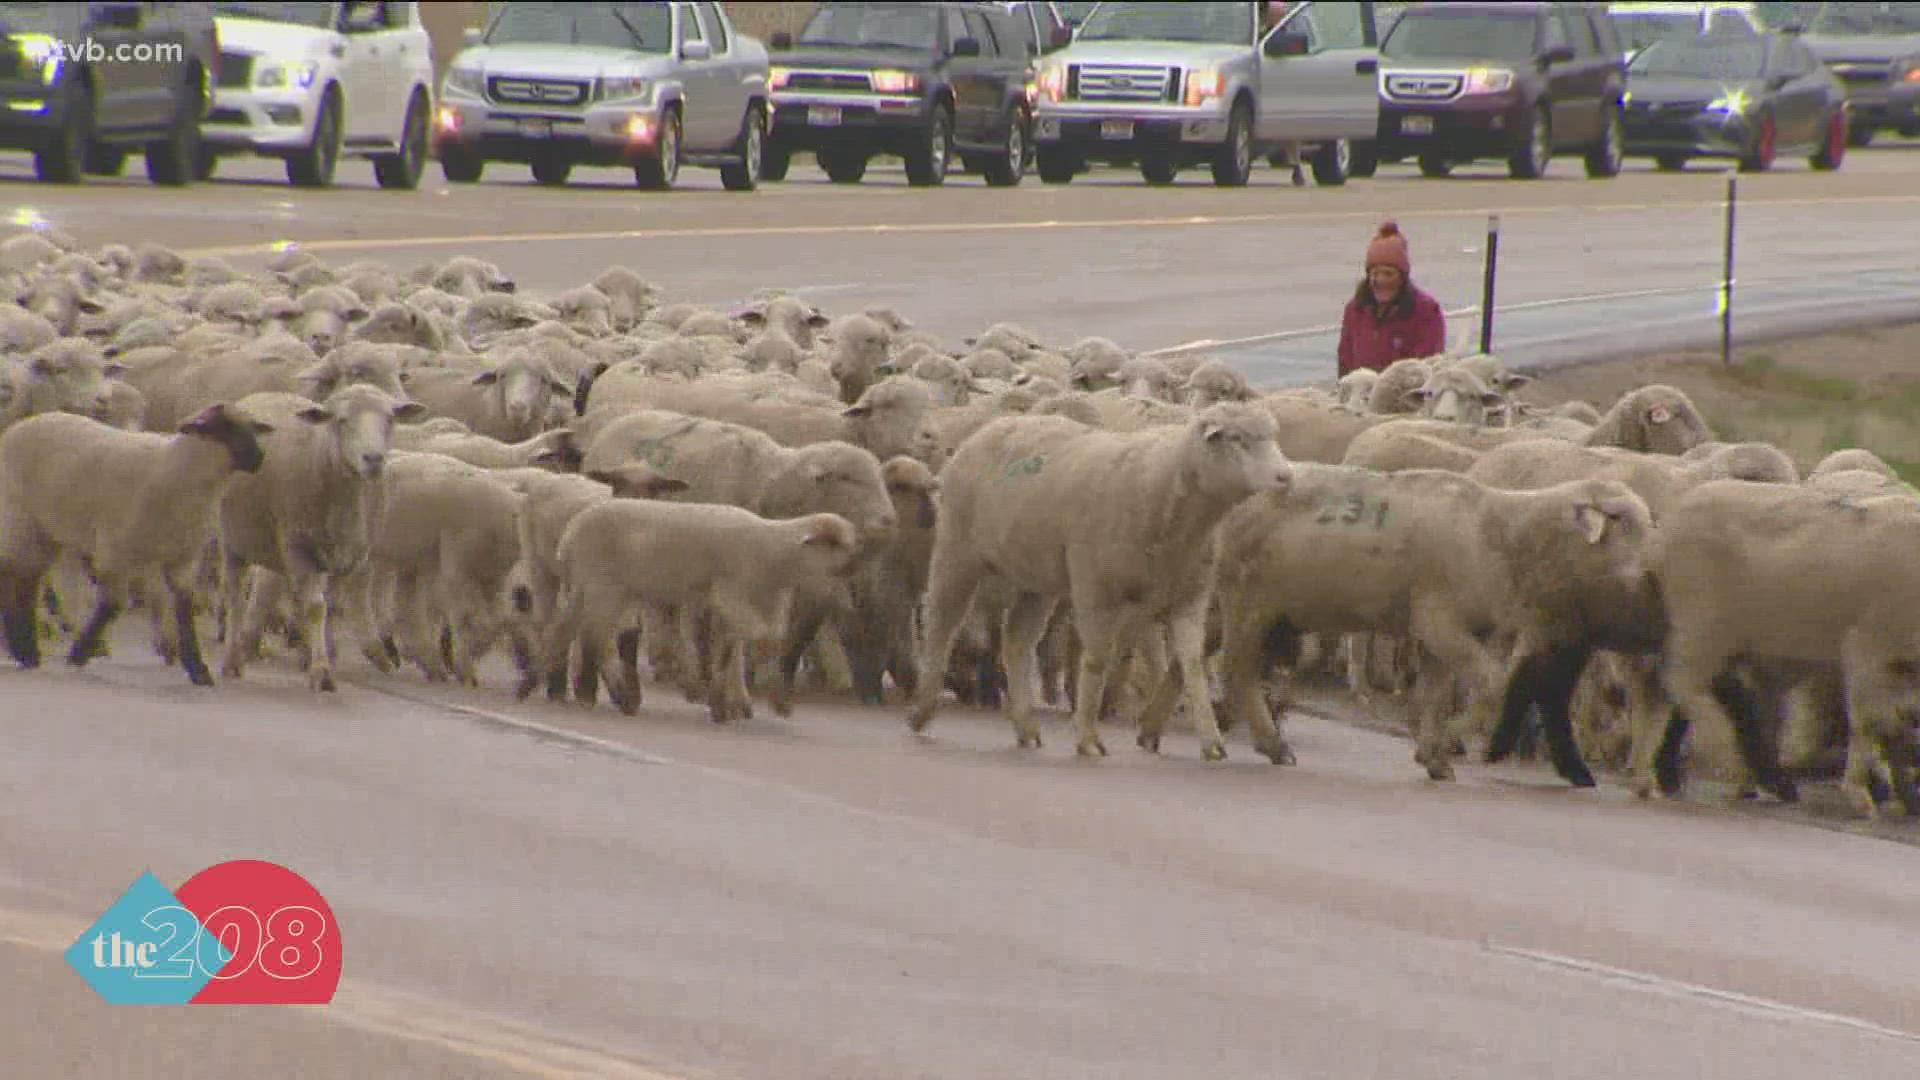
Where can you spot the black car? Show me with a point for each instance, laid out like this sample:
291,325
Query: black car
85,84
1751,97
924,81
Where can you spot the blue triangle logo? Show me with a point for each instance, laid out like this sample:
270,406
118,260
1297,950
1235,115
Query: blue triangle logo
147,949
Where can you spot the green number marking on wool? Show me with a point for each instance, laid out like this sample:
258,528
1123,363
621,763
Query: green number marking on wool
1026,466
1354,509
654,452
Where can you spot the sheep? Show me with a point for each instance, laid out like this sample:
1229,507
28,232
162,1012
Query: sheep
1213,382
308,514
1796,576
511,399
61,302
25,251
888,420
1859,483
239,303
1851,459
1145,377
1312,431
1456,395
553,449
68,375
787,316
207,271
398,324
269,363
1121,412
707,323
947,382
1395,392
488,317
1355,389
22,331
990,363
155,263
886,588
859,350
374,286
1423,554
1653,419
629,297
585,309
1013,341
1756,461
1120,525
743,568
466,277
136,506
772,350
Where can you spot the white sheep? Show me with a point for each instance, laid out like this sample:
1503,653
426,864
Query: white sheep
511,399
1213,382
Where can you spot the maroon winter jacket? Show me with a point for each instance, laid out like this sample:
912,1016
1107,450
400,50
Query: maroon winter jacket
1369,341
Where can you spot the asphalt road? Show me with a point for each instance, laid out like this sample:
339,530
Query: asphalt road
537,890
1585,266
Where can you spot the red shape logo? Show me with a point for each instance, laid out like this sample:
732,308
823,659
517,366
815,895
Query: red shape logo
285,943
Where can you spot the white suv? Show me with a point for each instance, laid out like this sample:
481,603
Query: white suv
309,81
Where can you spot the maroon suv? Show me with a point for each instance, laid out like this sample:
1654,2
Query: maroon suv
1463,82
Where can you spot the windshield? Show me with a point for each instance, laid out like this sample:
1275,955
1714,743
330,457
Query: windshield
874,26
1639,29
1214,24
1875,19
29,18
1703,58
1423,35
319,15
1075,11
645,27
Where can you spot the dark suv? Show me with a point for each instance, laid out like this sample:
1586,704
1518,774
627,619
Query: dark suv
1463,82
921,80
85,84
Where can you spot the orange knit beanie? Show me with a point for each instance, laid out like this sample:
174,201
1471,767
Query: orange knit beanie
1389,248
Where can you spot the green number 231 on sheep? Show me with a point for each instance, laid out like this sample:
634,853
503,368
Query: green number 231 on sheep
1353,510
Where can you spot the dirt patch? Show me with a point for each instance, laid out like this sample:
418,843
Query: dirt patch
1809,395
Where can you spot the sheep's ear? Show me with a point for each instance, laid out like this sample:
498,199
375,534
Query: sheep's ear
1513,380
204,420
409,411
1590,520
753,317
88,305
559,386
358,314
315,414
1212,432
820,322
486,378
1491,398
113,369
260,427
858,411
1418,395
1659,414
824,534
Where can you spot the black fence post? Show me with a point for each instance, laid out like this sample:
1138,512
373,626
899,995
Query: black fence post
1486,288
1726,281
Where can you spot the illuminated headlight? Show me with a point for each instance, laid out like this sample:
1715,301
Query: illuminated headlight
1052,81
1733,103
40,51
465,81
619,89
777,78
896,82
1204,85
1912,74
1488,81
298,75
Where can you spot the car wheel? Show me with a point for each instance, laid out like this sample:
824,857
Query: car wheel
1009,167
658,171
401,171
1365,159
927,163
105,160
745,174
1432,164
552,171
1603,160
1531,158
1759,156
460,166
1233,163
1859,135
775,160
1158,169
843,166
1056,164
170,160
1670,162
205,162
60,161
314,166
1833,150
1333,163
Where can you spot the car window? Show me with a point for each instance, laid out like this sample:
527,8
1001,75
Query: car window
637,26
1338,26
978,30
719,25
1020,23
1556,29
901,26
1580,30
956,26
1430,32
690,28
399,16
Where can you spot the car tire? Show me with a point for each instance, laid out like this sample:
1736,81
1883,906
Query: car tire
774,163
105,160
1233,162
1333,163
1056,164
460,165
1833,149
170,161
1605,156
928,162
1859,135
552,172
1009,167
745,174
314,166
1760,154
1365,160
1531,159
63,159
1158,169
658,170
400,171
1433,165
206,162
843,166
1670,162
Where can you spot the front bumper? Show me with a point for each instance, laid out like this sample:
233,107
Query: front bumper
1104,132
803,121
31,113
264,121
616,133
1464,129
1648,133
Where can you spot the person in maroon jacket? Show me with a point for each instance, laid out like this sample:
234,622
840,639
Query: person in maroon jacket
1389,318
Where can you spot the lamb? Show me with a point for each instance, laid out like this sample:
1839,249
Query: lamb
629,297
308,514
947,382
887,585
743,568
1427,555
1851,459
68,375
1355,389
1145,377
22,331
1457,395
859,350
136,506
1213,382
398,324
511,399
1653,419
1395,392
487,317
1756,461
1120,525
585,309
1792,575
553,449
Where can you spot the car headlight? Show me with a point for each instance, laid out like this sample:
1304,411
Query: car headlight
1052,81
287,74
896,82
1912,74
41,51
777,78
621,88
465,81
1204,85
1488,81
1732,102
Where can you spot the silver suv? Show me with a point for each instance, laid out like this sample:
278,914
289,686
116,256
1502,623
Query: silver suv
646,85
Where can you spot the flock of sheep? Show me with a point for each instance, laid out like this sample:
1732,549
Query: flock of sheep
746,497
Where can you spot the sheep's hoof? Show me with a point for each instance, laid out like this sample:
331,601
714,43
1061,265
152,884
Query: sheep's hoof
320,681
1860,797
919,718
782,706
524,688
379,658
1091,746
230,670
1278,752
1213,750
627,703
1641,786
198,675
1147,742
1026,740
1440,770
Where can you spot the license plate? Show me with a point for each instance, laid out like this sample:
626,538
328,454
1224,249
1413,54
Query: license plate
1416,125
823,115
1116,129
537,129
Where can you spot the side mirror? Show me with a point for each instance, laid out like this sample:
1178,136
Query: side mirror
966,46
780,41
118,16
1559,54
696,50
472,35
1287,43
1778,81
1061,37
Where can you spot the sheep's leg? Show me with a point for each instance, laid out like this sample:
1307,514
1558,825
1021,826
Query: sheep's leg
187,631
363,585
20,614
804,626
1444,638
1025,621
106,608
950,592
1188,636
1101,634
1247,646
1693,672
1546,678
233,584
313,612
626,645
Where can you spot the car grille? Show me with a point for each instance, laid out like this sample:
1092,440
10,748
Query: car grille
226,116
1667,110
1423,87
236,69
1117,82
844,81
1861,72
536,91
13,63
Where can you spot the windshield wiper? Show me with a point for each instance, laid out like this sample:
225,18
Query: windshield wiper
638,41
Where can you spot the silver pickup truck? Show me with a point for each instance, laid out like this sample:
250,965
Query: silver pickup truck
1172,85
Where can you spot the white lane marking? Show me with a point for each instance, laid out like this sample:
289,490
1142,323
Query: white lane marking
1660,984
517,723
